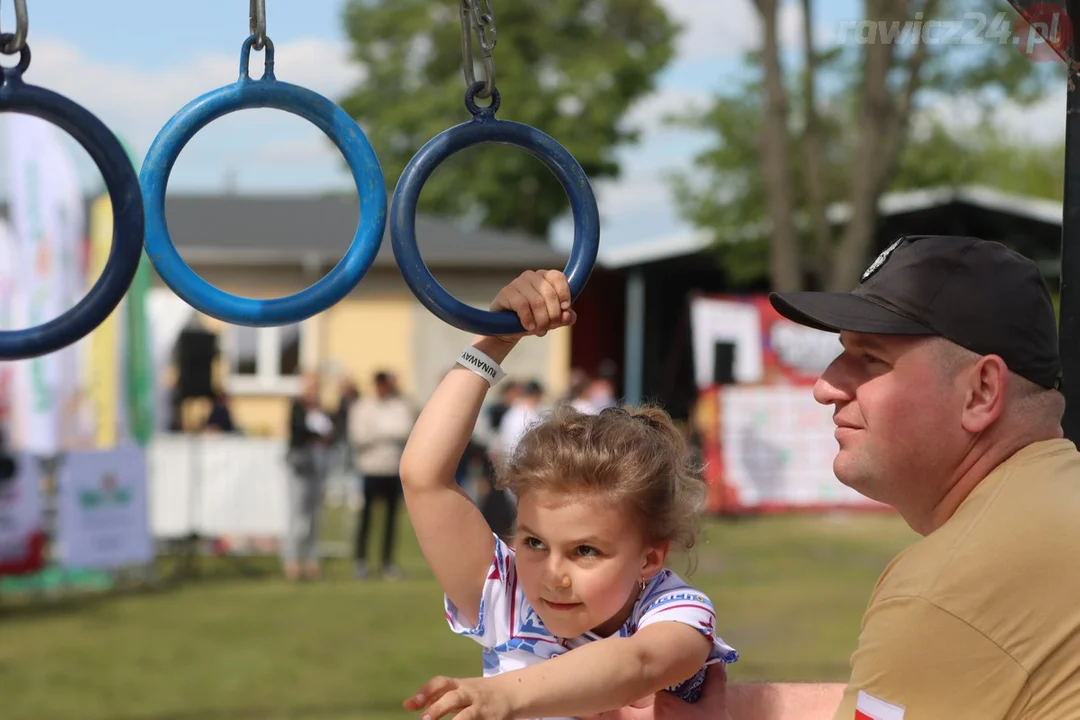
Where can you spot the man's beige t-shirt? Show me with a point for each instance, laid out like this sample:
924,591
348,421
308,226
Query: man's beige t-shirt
981,618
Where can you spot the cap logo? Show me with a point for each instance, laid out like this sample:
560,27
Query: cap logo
880,260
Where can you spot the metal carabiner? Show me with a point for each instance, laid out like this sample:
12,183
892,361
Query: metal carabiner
22,24
257,23
480,20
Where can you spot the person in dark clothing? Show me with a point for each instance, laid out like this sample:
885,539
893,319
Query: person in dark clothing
349,395
220,417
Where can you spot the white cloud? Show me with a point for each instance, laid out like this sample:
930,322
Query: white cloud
649,114
643,187
137,102
306,150
728,28
1042,122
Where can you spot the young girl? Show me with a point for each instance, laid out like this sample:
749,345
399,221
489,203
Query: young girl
601,500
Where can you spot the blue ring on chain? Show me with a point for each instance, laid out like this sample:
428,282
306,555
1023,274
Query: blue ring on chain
267,92
123,187
484,128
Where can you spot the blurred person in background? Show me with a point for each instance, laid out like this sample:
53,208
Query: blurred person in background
523,412
310,433
346,483
379,426
219,419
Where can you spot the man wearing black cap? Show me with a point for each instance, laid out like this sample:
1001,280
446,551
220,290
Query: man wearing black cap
946,408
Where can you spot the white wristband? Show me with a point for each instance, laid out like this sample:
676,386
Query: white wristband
481,364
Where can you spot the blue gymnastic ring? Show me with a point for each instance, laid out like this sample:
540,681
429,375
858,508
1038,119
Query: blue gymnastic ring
484,128
123,187
267,92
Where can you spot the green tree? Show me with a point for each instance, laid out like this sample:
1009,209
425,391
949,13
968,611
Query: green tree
836,127
987,155
569,68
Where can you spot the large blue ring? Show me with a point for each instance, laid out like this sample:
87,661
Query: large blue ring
267,92
123,187
484,128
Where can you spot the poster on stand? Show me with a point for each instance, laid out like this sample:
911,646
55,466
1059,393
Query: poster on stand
103,520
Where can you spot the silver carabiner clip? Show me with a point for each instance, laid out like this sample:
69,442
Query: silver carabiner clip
257,23
22,24
480,20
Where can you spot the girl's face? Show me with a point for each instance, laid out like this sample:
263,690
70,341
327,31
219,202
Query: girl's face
580,561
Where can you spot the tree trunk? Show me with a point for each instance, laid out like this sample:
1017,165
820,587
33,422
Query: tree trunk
882,129
901,119
785,261
873,124
813,163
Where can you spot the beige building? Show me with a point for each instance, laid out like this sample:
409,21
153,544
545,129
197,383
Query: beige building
276,246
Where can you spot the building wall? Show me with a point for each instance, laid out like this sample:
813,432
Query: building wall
379,326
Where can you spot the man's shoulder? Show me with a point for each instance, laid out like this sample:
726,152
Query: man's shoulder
1010,524
994,560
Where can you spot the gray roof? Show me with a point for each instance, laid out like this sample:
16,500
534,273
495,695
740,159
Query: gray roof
289,229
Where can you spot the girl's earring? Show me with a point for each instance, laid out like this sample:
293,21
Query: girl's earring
642,582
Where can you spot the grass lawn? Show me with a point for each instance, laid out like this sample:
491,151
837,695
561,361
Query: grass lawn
789,593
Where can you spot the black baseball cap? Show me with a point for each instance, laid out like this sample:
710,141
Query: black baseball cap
977,293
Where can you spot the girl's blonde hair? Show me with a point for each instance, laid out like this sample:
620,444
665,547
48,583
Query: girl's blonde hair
636,457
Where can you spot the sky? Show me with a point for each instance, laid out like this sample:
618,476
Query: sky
136,62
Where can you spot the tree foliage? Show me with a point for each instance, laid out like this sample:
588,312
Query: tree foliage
811,128
570,68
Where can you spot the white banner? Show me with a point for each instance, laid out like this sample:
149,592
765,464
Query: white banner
218,485
21,508
778,448
7,297
47,221
713,321
103,520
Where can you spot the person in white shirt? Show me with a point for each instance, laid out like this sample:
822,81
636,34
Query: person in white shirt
379,425
524,412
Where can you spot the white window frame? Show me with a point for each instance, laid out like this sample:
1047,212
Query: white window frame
268,379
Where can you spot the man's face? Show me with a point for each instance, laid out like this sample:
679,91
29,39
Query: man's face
897,416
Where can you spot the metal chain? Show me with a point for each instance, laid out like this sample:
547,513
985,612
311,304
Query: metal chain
18,40
477,16
257,23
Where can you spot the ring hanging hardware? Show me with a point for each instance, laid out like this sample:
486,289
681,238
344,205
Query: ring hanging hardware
257,23
484,128
122,184
268,59
480,112
477,16
335,123
15,42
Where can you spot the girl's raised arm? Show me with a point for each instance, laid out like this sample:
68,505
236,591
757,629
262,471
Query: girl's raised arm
453,535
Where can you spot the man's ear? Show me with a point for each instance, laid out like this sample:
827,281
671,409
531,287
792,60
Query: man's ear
985,385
